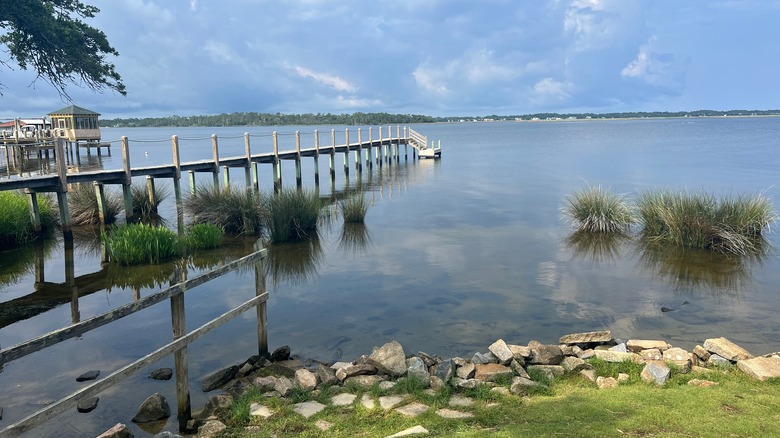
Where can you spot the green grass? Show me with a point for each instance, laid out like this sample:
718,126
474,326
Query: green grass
203,236
729,225
354,208
16,226
573,406
143,207
235,210
136,244
83,205
292,215
596,210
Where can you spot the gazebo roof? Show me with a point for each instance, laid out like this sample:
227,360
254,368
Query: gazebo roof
73,110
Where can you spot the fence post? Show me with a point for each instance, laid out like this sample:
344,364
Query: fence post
277,165
316,157
332,160
215,153
177,183
248,169
126,192
346,152
298,179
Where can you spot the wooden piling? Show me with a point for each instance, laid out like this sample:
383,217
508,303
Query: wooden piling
332,160
150,190
370,152
179,326
359,153
62,190
100,195
177,184
192,183
215,154
316,157
248,168
35,214
346,152
262,314
298,178
277,164
128,180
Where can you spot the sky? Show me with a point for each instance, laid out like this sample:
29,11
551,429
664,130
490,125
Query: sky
434,57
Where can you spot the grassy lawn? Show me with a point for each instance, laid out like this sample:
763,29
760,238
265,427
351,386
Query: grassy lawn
570,407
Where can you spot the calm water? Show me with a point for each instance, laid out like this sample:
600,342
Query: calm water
455,253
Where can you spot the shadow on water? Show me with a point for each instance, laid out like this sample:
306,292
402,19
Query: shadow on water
693,271
295,263
22,261
597,247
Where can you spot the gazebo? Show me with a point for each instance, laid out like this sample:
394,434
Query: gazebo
76,124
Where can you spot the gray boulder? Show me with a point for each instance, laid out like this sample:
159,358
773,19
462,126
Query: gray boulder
152,409
390,359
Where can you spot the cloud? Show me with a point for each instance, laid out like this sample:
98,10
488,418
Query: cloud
549,90
325,79
663,70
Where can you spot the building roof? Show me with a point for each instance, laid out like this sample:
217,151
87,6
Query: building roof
73,110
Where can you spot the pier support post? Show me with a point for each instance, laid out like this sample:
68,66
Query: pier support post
298,178
179,325
370,152
359,153
35,214
62,190
346,152
192,182
126,192
256,176
332,160
215,153
262,314
316,157
248,168
226,176
151,195
100,195
176,184
277,165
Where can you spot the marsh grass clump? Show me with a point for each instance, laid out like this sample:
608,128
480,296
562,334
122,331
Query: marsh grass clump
203,236
354,208
292,215
83,205
144,207
234,210
730,225
595,210
136,244
16,227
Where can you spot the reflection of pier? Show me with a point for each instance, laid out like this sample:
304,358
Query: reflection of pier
181,338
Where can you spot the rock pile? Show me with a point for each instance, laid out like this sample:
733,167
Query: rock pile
386,365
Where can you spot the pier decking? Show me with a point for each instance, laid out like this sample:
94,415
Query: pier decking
369,150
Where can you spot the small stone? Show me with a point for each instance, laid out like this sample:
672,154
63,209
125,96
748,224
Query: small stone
545,355
416,368
309,408
326,375
521,385
501,351
390,401
451,413
364,380
621,347
483,358
761,368
280,354
367,401
355,370
466,371
637,345
680,358
389,359
458,400
218,378
727,349
444,370
344,399
283,386
500,390
701,353
305,379
518,369
412,409
118,431
520,351
589,374
152,409
264,384
606,382
718,361
89,375
212,428
656,371
550,371
623,377
573,364
161,374
587,338
616,356
702,383
258,410
651,354
323,425
416,430
387,385
491,371
86,405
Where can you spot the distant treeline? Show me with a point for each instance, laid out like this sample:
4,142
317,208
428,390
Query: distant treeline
278,119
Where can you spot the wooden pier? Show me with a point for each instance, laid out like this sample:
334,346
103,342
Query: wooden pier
380,148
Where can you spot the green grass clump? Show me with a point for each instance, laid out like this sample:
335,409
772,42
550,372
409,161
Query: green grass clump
595,210
354,209
203,236
292,215
234,210
16,227
136,244
731,225
143,207
83,205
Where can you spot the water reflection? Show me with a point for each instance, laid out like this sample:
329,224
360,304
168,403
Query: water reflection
24,260
693,270
597,247
354,238
295,263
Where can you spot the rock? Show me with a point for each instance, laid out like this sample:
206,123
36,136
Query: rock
727,349
760,368
545,355
637,345
702,383
501,351
521,385
416,430
387,385
323,425
390,401
367,401
500,390
245,369
518,369
343,399
283,386
309,408
412,409
219,378
451,413
460,401
701,353
623,377
718,361
616,356
416,369
589,374
573,364
335,367
678,357
161,374
167,434
355,370
435,383
292,364
427,358
152,409
305,379
89,375
87,405
326,375
606,382
264,384
701,370
651,354
260,411
656,371
444,370
484,358
390,359
520,352
211,429
466,371
363,380
550,371
118,431
621,348
599,337
491,371
280,354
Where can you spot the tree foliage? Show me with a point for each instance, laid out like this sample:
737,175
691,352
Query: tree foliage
50,37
